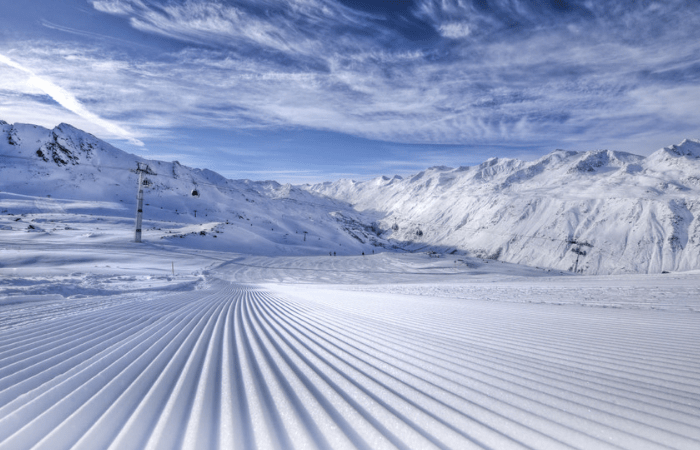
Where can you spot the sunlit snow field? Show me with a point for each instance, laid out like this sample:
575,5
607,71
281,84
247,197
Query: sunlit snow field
105,343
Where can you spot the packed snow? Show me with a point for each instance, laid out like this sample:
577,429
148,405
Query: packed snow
260,323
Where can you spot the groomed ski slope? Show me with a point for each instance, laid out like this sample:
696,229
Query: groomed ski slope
323,365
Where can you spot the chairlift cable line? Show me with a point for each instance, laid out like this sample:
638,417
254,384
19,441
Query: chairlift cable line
219,187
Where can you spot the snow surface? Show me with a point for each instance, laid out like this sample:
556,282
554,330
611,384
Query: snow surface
213,333
102,346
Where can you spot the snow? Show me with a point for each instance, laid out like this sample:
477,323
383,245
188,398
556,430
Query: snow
213,333
597,212
101,346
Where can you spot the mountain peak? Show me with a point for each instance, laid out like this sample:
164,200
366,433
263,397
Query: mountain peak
67,126
598,159
689,147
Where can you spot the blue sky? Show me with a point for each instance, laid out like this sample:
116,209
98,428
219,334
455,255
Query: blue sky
313,90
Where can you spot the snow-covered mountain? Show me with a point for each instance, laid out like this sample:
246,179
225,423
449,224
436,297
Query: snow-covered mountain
591,212
211,331
253,217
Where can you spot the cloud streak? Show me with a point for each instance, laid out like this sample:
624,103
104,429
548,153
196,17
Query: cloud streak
548,74
68,101
291,66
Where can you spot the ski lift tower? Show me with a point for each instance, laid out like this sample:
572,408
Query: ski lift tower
141,169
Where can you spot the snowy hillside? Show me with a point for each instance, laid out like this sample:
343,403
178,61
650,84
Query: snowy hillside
43,169
593,212
235,329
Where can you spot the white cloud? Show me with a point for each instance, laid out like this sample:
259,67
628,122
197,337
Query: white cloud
113,7
213,22
68,101
455,30
291,69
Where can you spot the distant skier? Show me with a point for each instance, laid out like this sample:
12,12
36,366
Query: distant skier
333,253
363,253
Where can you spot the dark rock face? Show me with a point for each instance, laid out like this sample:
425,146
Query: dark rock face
54,151
67,147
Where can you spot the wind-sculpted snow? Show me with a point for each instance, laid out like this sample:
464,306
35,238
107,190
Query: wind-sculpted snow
237,366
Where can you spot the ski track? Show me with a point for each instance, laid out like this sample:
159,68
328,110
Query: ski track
238,366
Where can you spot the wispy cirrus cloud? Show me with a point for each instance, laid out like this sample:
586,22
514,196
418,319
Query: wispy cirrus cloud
294,27
69,101
516,70
505,72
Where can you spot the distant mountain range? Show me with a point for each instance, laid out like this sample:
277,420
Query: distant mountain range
595,212
591,212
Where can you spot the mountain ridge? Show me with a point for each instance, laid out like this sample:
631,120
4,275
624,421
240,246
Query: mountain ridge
595,212
599,211
255,217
